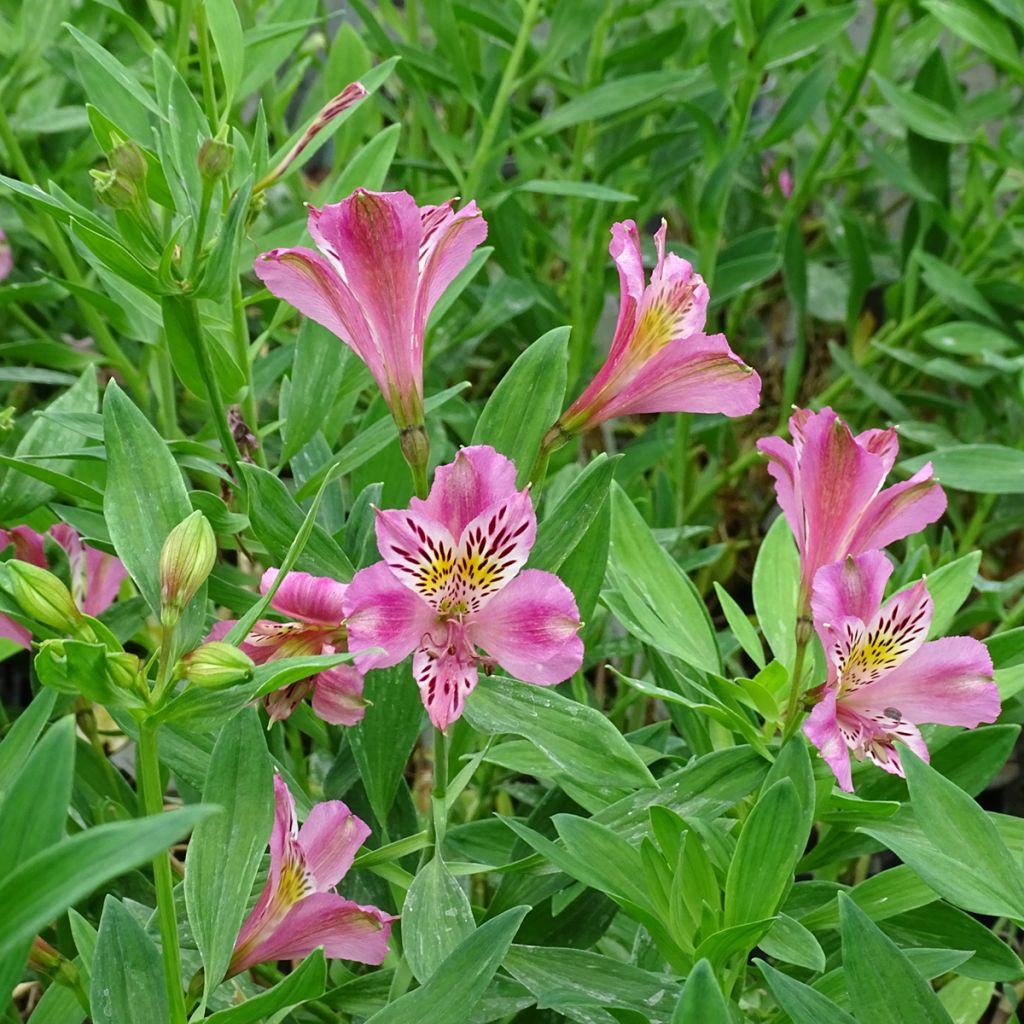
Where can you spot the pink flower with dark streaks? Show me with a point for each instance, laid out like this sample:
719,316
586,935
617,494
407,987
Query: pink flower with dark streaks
298,910
884,679
452,581
314,606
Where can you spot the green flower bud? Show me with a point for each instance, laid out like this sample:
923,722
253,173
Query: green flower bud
216,664
115,189
215,158
128,160
187,558
124,670
43,597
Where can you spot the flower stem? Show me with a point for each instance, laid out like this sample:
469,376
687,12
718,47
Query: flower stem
439,795
152,803
803,638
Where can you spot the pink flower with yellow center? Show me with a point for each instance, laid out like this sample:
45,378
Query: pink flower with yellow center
452,581
383,264
96,577
829,485
660,359
298,911
314,605
884,678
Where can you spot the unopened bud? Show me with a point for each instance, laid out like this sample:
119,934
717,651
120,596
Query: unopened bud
124,670
415,445
216,664
187,558
115,189
43,597
215,158
128,159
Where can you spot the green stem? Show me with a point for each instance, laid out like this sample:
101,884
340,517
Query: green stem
240,333
438,808
803,639
197,240
181,46
152,803
504,93
206,65
58,245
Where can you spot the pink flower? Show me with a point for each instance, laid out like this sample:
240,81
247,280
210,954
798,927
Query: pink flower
660,359
786,182
829,486
450,582
883,678
6,258
314,604
95,576
383,264
298,911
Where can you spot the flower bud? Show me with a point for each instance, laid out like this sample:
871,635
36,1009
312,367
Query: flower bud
128,159
43,597
187,558
216,664
124,670
215,158
115,189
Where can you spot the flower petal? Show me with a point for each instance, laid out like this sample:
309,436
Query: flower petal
282,702
103,577
345,930
822,729
329,840
446,675
382,612
530,628
338,697
11,630
448,242
314,599
899,511
785,471
883,443
698,373
851,588
418,550
467,487
945,682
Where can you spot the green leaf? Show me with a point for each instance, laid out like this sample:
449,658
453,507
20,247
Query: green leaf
799,106
226,30
767,852
21,738
306,982
924,116
226,848
798,36
276,520
740,626
980,27
578,738
579,189
127,985
436,917
456,987
982,468
145,499
880,977
788,940
565,525
655,597
527,401
801,1002
949,587
702,999
775,587
382,741
20,496
51,881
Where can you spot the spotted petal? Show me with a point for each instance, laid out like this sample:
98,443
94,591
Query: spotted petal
306,598
478,478
446,674
419,551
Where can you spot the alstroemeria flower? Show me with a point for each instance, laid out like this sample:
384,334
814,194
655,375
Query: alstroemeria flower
450,582
883,677
829,485
660,359
314,604
95,576
6,257
383,264
298,911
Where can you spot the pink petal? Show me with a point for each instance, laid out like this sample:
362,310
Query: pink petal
448,242
477,479
28,545
312,285
881,750
850,588
306,598
345,930
11,630
822,729
629,262
338,696
6,256
103,577
329,840
900,511
783,468
699,373
530,628
282,702
883,443
446,674
946,682
382,612
418,550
